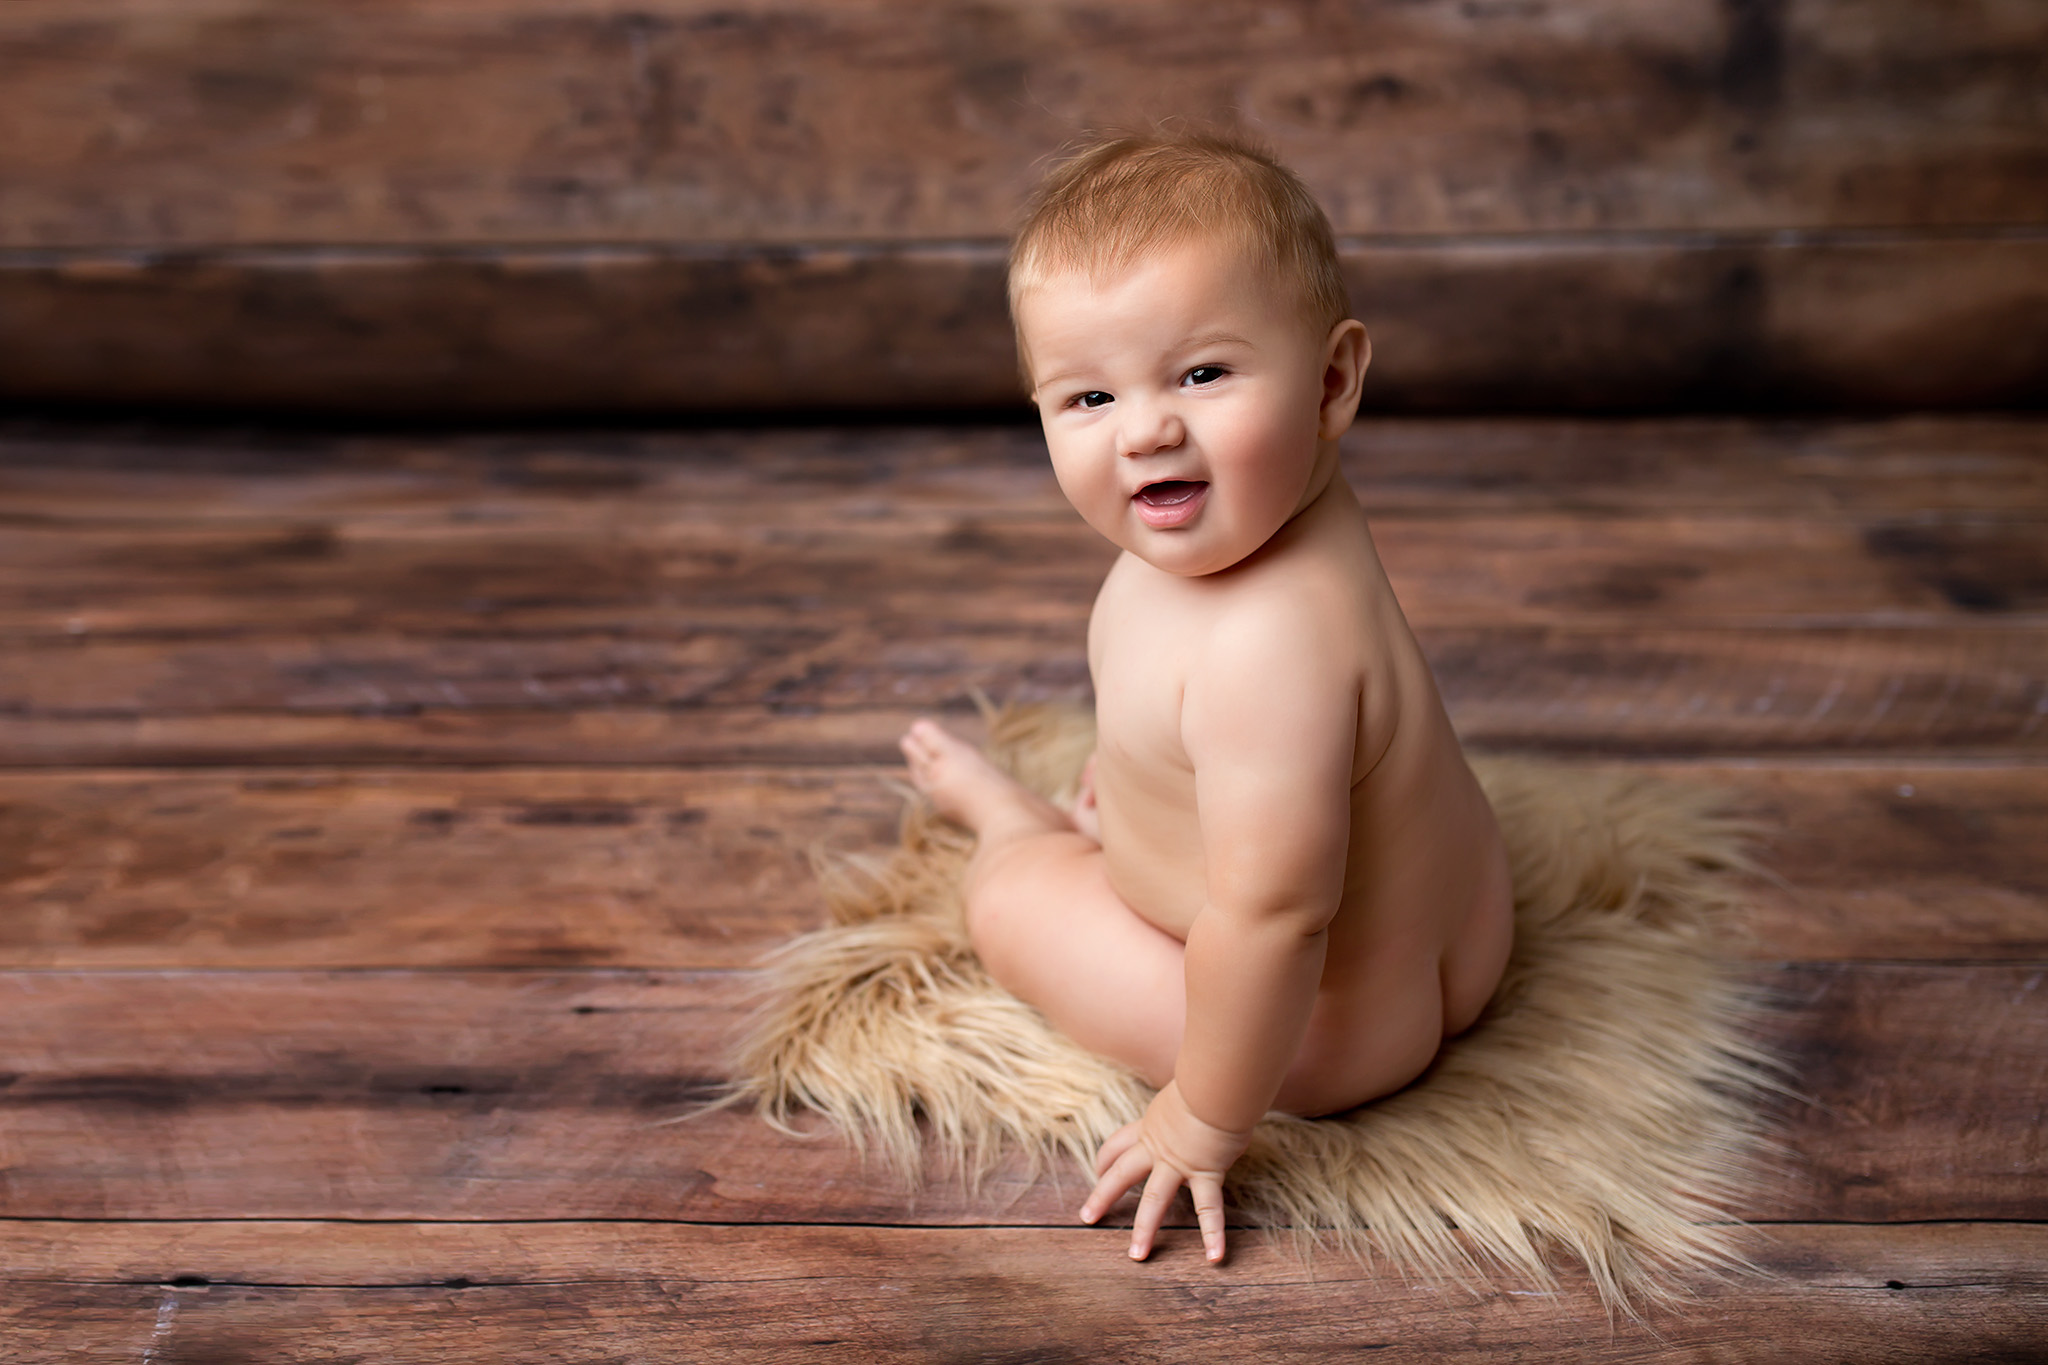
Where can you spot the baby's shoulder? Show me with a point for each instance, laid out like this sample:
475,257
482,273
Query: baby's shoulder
1299,627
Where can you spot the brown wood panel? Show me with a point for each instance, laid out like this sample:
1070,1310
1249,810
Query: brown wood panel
234,121
663,569
506,1095
694,869
77,474
351,869
784,697
1923,861
604,1293
1893,1058
1639,323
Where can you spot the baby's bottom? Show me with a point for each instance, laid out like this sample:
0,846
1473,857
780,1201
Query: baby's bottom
1051,930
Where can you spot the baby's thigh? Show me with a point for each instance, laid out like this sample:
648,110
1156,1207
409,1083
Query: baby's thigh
1045,921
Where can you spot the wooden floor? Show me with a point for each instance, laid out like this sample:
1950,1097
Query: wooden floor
387,824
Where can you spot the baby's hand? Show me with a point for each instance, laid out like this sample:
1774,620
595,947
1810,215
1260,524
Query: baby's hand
1165,1148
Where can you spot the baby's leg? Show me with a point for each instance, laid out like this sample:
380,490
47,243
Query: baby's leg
1044,919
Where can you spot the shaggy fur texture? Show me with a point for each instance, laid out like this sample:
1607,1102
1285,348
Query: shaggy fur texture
1602,1107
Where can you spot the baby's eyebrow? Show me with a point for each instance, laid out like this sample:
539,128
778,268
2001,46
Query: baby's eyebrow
1196,343
1053,379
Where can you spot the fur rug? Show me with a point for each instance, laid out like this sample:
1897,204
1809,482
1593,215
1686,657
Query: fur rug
1603,1107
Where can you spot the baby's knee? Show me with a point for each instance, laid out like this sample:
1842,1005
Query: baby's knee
1006,891
996,891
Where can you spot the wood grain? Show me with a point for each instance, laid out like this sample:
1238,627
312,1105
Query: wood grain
661,570
1608,690
101,475
347,868
230,121
707,868
289,1292
1873,322
507,1095
698,599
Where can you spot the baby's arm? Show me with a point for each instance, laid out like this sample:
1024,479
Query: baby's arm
1269,720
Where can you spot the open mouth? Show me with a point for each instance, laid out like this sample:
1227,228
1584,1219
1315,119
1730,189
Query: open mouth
1170,502
1170,492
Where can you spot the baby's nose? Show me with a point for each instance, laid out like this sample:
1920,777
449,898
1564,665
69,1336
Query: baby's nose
1151,431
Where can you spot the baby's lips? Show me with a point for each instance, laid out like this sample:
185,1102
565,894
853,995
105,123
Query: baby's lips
1179,502
1167,492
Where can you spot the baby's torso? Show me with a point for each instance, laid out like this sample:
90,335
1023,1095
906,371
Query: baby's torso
1424,849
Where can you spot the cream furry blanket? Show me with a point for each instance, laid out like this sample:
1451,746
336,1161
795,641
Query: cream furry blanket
1602,1107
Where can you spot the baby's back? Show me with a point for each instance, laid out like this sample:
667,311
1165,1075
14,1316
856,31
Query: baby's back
1423,927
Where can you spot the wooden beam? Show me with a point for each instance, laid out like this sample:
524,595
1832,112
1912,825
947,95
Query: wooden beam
589,1293
1587,322
688,869
509,1095
209,123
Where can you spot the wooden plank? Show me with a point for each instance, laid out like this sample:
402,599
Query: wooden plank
694,869
784,696
1584,322
541,121
602,1293
631,868
1744,691
1929,862
509,1095
1923,465
96,475
660,570
1849,1027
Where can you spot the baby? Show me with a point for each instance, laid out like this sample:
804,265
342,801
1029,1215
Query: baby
1281,886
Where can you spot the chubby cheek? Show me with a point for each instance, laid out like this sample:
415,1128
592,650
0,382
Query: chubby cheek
1091,486
1266,459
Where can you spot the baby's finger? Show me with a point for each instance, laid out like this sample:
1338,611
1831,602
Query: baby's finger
1152,1207
1128,1170
1208,1195
1115,1145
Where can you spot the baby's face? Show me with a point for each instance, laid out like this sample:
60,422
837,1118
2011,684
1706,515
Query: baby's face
1181,401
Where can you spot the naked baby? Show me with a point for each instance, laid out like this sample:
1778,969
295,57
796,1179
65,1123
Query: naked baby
1281,886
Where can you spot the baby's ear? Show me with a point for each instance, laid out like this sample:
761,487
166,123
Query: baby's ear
1345,359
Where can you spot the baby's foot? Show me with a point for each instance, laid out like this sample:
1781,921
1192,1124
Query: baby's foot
964,786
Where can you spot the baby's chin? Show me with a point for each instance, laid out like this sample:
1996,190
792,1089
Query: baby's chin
1183,553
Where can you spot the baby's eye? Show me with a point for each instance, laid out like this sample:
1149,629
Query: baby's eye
1203,374
1094,398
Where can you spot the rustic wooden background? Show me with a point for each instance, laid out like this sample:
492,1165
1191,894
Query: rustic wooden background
498,206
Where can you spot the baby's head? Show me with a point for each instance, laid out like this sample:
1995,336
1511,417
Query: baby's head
1183,329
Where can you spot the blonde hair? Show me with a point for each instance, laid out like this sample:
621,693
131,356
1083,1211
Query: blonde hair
1115,199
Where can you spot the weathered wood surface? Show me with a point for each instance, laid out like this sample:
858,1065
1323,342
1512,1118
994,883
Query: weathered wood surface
435,1095
354,980
1642,324
656,570
1835,524
1612,691
735,598
104,475
293,1292
231,121
555,205
708,868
